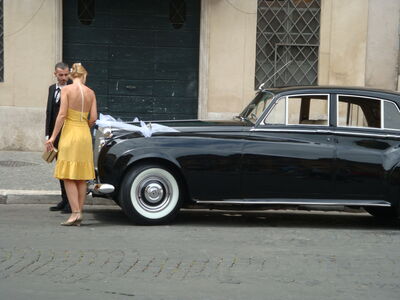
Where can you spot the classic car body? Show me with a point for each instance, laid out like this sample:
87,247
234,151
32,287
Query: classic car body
290,146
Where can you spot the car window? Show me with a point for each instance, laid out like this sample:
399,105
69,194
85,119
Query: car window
310,110
255,109
391,115
277,116
359,112
300,110
259,108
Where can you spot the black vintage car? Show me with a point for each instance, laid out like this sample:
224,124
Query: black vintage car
297,146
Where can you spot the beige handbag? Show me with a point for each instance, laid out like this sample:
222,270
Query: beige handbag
49,156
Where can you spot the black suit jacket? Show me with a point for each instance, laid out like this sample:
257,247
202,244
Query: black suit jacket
51,110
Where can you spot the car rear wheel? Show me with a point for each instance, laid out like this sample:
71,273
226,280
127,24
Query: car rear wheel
382,212
151,194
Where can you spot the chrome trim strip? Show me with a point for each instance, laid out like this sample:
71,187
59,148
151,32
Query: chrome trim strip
333,202
286,110
368,134
325,131
291,130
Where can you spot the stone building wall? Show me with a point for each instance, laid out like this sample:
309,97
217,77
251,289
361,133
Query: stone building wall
359,45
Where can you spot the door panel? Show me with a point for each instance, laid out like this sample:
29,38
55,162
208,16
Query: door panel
362,148
288,165
211,164
360,166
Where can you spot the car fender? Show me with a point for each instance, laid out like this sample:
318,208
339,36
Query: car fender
134,156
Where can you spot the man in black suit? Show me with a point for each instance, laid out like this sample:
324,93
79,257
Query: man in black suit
53,106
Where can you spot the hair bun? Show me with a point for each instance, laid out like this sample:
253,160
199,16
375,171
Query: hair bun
78,70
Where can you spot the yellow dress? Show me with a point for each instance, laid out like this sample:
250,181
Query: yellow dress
75,153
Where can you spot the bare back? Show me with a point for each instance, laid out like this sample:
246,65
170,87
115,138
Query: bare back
74,97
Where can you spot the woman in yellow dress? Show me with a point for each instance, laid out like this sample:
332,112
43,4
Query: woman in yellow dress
75,153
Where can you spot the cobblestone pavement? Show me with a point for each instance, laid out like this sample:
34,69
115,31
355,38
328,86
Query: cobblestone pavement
203,255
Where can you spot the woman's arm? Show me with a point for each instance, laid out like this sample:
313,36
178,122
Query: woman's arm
62,114
93,111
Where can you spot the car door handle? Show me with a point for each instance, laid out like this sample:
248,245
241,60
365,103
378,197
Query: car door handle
130,87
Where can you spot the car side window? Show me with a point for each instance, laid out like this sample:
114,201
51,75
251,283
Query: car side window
277,116
259,108
391,115
359,112
309,110
300,110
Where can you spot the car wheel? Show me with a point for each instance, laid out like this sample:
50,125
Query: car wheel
382,212
150,194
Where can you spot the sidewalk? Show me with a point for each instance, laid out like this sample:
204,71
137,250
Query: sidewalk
27,179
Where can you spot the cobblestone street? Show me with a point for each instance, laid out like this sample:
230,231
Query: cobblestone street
203,255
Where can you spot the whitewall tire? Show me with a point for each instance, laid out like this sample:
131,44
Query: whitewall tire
151,194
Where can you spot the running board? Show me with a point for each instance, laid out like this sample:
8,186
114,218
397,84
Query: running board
333,202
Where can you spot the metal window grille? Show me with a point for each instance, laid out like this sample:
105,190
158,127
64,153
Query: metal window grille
287,42
1,42
177,13
86,11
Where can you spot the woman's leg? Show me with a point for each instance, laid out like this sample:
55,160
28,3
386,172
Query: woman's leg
72,192
82,189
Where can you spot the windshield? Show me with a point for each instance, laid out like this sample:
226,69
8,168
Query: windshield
256,107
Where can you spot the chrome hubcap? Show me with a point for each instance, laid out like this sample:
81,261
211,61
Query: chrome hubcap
154,192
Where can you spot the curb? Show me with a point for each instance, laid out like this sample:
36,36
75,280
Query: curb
43,197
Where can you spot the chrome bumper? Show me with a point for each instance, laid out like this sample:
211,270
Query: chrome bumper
100,188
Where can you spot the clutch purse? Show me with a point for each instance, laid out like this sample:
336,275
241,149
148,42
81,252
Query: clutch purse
49,156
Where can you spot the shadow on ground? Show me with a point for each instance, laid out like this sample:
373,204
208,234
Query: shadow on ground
288,219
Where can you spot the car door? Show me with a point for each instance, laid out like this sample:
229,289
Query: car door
210,163
290,153
366,150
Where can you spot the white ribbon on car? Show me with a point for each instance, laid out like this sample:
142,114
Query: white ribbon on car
145,130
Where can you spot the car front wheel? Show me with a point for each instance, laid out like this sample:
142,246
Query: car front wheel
150,194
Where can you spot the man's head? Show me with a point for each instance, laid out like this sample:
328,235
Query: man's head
61,71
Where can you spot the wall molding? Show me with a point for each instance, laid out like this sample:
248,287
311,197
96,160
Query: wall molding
58,38
204,55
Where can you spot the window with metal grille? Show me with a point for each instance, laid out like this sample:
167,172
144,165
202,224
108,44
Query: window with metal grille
86,11
287,42
1,42
177,13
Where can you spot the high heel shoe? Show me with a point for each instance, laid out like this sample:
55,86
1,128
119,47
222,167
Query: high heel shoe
75,222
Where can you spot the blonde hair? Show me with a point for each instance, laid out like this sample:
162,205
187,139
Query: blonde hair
78,71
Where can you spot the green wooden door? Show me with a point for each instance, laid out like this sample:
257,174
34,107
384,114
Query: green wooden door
141,63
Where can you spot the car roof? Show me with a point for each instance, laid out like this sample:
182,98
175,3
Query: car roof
336,89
